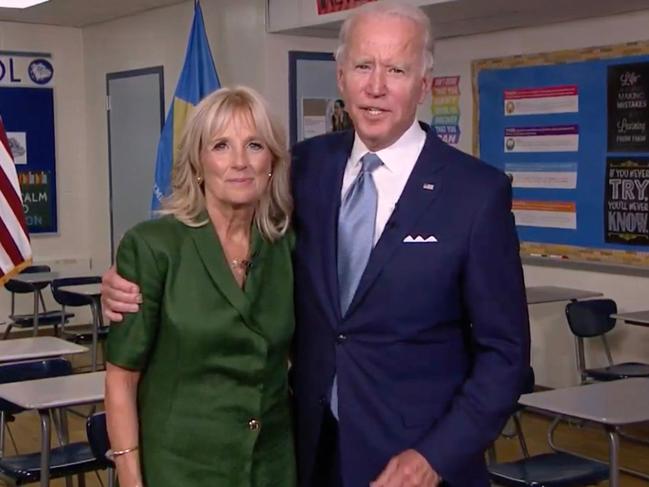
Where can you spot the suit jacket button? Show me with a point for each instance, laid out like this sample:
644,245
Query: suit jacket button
254,424
341,338
322,400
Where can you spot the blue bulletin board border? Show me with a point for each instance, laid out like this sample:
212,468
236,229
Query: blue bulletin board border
536,244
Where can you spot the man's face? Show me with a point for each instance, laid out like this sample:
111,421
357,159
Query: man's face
381,77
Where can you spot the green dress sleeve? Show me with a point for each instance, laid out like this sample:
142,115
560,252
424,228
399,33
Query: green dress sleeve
131,340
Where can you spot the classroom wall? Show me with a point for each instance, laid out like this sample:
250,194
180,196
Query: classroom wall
245,53
552,343
70,246
235,29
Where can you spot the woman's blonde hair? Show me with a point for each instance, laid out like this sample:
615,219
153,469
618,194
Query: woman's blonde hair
209,118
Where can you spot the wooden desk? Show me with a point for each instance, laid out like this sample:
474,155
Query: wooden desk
555,294
37,347
611,404
56,392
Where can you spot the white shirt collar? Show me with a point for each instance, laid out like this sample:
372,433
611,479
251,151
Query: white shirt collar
410,141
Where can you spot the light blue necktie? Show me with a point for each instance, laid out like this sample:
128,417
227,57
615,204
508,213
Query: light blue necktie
356,222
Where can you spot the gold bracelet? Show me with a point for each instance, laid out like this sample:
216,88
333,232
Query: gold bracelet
111,454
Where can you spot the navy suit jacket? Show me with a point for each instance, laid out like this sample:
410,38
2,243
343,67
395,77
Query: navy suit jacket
433,351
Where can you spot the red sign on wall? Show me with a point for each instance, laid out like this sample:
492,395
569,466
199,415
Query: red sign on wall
329,6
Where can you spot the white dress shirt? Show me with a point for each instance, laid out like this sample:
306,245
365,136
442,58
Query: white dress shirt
390,178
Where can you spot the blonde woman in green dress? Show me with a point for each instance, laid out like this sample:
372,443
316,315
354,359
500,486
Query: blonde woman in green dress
196,384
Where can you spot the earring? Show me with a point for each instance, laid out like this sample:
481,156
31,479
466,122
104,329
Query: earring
270,174
199,179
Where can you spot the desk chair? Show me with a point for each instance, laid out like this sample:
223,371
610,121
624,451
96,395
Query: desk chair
99,443
83,333
45,317
515,418
65,460
556,469
547,469
21,371
589,319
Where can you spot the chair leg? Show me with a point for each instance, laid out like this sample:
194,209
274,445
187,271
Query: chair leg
54,414
491,455
2,433
519,433
13,440
111,477
101,482
81,480
7,330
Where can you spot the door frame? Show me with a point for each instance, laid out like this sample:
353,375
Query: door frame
159,70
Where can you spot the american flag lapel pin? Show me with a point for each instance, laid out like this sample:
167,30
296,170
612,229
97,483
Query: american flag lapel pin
428,186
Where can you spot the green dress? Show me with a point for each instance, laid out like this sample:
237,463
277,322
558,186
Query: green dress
213,396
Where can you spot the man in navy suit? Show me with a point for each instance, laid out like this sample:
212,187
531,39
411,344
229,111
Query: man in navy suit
412,337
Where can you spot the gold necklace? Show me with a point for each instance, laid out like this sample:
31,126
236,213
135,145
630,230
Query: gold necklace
241,265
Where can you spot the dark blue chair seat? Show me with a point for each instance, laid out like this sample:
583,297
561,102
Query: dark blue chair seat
619,371
83,334
549,470
65,461
44,319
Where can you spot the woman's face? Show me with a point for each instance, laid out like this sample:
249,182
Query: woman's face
236,165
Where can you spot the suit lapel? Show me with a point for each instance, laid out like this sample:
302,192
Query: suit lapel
211,253
332,180
416,199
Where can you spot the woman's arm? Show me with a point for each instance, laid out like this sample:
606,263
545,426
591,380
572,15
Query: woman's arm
122,422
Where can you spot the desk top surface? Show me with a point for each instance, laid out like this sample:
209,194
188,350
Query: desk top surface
69,390
634,317
36,347
46,277
554,294
617,402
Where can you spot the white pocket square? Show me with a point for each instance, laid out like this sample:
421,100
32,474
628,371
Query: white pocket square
419,239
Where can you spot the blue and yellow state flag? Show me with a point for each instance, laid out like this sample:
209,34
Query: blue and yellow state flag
197,79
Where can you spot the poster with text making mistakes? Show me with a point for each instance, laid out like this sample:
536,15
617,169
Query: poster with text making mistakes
27,109
626,208
628,113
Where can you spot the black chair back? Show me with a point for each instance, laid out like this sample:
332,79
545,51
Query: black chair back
591,318
24,288
67,298
32,370
530,382
98,438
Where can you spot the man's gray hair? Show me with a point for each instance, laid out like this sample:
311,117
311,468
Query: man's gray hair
397,9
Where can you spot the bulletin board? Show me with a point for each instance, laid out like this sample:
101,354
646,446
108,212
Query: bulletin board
571,129
27,109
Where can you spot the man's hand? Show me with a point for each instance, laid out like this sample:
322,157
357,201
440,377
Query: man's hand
408,469
118,296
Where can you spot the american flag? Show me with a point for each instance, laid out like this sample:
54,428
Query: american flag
15,249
